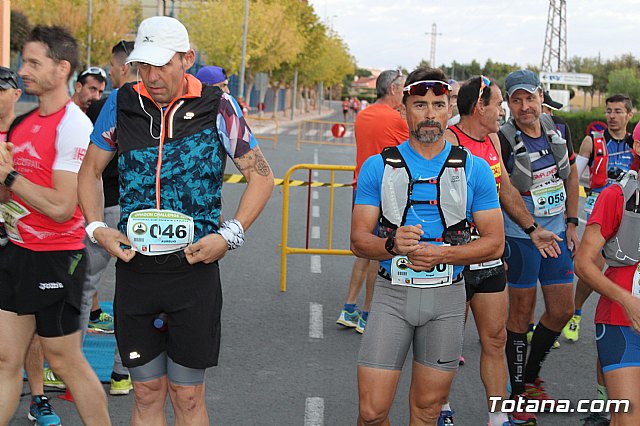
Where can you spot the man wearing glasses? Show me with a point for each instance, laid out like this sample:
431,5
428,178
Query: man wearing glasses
608,155
540,164
89,87
171,134
376,128
421,196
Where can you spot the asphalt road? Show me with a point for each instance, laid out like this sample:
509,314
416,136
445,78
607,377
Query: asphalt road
272,372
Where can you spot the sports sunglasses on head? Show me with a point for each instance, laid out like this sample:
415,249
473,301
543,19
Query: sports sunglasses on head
420,88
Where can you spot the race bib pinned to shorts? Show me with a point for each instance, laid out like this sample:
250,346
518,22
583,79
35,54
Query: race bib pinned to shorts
548,198
591,201
401,274
12,212
153,232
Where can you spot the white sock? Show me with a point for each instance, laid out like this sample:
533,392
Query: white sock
498,418
446,407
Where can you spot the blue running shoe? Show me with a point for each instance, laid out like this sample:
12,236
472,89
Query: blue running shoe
41,412
362,323
445,418
349,319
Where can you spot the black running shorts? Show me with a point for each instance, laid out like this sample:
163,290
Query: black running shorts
47,284
491,280
189,295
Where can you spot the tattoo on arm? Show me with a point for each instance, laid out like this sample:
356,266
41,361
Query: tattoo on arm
253,161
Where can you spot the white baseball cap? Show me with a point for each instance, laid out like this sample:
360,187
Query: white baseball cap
158,39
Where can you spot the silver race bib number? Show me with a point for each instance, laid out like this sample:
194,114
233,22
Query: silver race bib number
401,274
153,232
548,198
12,212
591,201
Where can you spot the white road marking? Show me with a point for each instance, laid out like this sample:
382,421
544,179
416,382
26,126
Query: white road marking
315,195
315,211
315,321
315,156
316,264
315,232
314,411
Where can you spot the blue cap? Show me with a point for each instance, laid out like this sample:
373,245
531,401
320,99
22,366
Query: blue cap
521,79
211,75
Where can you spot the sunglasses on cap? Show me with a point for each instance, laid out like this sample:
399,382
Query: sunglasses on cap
123,43
398,75
94,71
484,83
8,79
420,88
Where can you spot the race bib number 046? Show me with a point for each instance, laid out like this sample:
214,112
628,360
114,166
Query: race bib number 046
154,232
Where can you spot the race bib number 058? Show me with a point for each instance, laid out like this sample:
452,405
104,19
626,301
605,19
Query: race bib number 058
154,232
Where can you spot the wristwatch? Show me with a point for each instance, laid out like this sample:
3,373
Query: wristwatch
530,229
573,220
391,242
11,177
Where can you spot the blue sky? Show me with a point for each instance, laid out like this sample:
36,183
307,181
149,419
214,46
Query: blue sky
385,34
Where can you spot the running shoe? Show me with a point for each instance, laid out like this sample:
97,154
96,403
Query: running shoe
572,328
536,391
41,412
349,319
445,418
362,323
555,345
461,361
121,387
104,324
51,380
595,419
523,418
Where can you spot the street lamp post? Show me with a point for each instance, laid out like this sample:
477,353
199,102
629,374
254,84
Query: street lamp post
245,28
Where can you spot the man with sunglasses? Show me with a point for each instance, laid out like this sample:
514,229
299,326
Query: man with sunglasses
93,319
421,196
608,155
540,164
89,87
376,128
480,106
43,266
171,134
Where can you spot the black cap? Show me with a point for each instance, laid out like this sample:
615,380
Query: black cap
8,79
550,103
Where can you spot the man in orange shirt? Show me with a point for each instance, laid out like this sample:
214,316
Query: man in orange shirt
377,127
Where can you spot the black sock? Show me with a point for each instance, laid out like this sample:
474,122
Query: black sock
117,377
94,315
541,343
516,350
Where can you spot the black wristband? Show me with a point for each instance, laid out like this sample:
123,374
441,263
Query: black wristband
11,177
390,243
573,220
530,229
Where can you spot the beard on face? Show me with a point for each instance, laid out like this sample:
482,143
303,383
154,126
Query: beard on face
431,135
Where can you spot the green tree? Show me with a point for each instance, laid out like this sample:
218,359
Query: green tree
20,29
111,21
625,80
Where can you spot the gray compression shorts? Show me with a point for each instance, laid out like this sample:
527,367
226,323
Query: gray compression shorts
163,365
431,319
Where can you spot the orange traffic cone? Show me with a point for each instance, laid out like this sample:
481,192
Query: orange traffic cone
67,396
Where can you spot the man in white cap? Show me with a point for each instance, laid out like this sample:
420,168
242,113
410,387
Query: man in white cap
171,133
